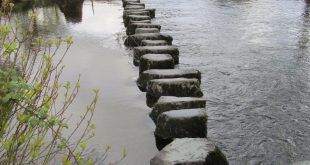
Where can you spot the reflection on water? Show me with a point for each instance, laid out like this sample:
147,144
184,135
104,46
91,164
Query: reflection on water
72,9
254,56
121,114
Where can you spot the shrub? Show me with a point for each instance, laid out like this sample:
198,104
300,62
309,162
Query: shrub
33,129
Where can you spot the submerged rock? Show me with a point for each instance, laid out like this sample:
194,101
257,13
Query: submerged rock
131,29
169,103
140,51
185,123
146,30
136,18
179,87
148,75
190,151
136,39
154,43
156,61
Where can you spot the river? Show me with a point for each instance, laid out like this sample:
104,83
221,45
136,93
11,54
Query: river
254,59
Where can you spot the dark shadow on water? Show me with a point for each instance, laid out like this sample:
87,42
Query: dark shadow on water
72,9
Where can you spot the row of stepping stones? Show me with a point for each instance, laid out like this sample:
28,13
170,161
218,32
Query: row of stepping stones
178,109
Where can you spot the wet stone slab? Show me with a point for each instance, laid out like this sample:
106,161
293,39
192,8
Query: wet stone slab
190,151
146,30
169,103
129,1
131,29
151,12
136,39
134,4
184,123
142,50
136,18
133,7
179,87
145,13
143,21
154,43
156,61
148,75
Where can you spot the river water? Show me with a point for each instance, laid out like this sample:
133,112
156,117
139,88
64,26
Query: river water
254,59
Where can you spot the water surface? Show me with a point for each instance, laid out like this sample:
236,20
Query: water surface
254,59
99,57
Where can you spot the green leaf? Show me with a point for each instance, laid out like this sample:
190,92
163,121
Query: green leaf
83,145
7,145
42,113
33,121
7,98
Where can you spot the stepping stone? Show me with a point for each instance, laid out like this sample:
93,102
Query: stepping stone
169,103
136,39
184,123
136,18
145,13
146,30
148,75
134,4
156,61
130,1
151,11
179,87
133,22
143,21
131,29
133,7
154,43
140,51
190,151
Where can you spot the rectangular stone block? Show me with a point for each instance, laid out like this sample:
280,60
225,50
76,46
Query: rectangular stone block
148,75
142,50
184,123
151,11
190,151
136,18
171,103
179,87
134,4
136,39
156,61
129,1
146,30
131,29
145,13
133,7
154,43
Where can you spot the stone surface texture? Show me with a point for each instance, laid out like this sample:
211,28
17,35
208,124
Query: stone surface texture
190,151
179,87
142,50
169,103
148,75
